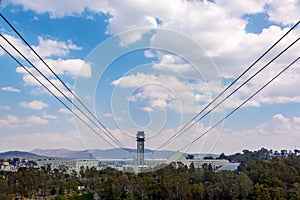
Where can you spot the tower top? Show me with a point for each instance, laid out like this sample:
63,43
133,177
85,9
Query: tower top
140,135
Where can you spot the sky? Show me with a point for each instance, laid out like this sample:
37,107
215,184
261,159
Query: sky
152,66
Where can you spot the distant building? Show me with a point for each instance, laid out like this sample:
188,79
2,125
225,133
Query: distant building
152,164
68,165
137,165
229,167
198,163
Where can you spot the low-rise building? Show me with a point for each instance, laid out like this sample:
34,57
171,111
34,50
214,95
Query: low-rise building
68,165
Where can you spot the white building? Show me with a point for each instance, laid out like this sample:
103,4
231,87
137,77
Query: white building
152,164
68,165
129,164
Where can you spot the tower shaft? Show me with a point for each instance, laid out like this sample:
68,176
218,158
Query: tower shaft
140,139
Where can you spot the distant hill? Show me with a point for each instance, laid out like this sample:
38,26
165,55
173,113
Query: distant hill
63,153
116,153
21,155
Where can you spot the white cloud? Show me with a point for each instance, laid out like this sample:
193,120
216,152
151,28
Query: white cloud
147,109
34,105
169,63
131,37
116,118
238,8
223,39
72,116
297,120
160,91
278,133
4,107
35,120
46,140
48,116
17,44
31,81
107,115
286,12
217,26
48,47
64,111
10,121
13,119
149,54
61,8
71,67
10,89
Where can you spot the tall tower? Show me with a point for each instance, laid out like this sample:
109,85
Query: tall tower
140,139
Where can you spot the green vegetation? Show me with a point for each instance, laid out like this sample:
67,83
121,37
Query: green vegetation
256,178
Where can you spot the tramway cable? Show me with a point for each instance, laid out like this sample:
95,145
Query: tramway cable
74,95
219,103
229,114
65,105
182,130
62,93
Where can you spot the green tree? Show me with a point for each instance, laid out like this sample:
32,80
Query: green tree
197,191
260,192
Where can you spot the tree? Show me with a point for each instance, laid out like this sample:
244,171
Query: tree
208,158
109,189
260,192
222,156
190,156
177,187
3,186
245,185
197,191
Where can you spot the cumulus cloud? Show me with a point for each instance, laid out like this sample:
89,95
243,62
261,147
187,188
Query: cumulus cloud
35,120
226,40
107,115
34,105
238,8
4,107
61,8
286,12
48,116
44,140
279,132
54,85
71,67
10,89
218,26
64,111
147,109
46,47
17,44
49,47
160,91
12,121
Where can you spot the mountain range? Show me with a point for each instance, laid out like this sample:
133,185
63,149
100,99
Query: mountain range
116,153
21,155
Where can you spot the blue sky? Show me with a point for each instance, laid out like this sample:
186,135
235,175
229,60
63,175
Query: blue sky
150,65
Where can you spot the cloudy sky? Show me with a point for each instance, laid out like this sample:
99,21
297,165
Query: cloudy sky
152,66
